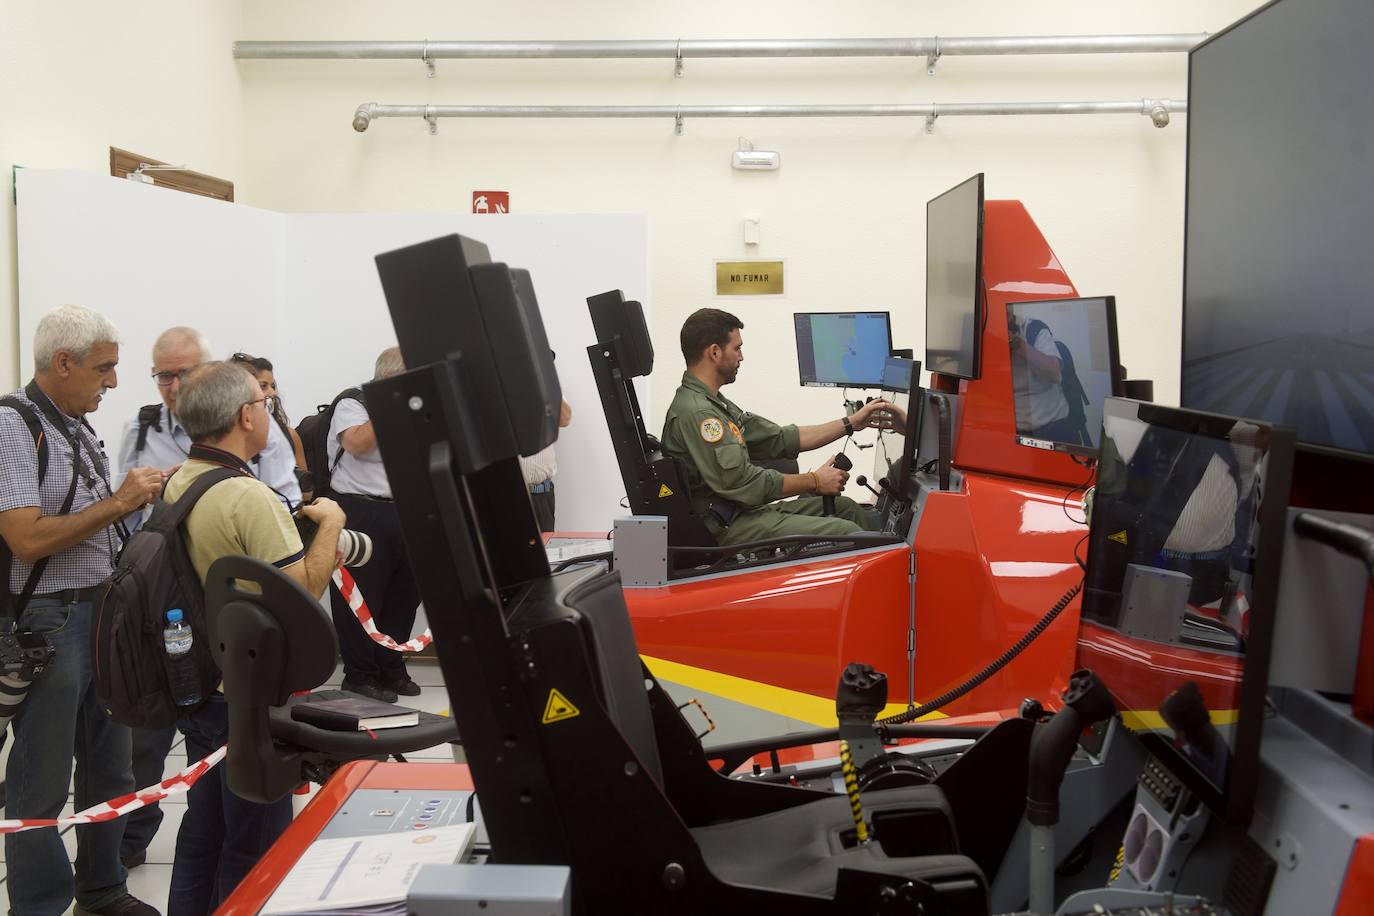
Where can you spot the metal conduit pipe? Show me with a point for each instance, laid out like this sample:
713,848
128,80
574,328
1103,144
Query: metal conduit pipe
932,47
1158,110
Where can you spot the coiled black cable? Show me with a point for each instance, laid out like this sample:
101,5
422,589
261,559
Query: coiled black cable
945,437
997,665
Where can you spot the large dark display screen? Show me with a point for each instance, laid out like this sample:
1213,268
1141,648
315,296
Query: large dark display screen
954,272
1278,313
1184,551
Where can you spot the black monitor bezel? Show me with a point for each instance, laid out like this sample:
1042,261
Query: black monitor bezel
979,307
815,384
1310,447
1235,802
911,362
915,412
1114,355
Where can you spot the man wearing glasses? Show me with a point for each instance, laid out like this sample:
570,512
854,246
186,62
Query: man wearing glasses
154,437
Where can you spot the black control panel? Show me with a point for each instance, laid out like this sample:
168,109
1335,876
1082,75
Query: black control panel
1156,779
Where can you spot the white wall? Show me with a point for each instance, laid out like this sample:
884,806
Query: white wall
302,289
847,208
76,78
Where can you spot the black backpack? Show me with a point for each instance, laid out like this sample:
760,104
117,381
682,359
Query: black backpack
1068,381
314,433
149,417
152,576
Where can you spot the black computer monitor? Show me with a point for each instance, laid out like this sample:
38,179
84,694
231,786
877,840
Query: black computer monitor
1277,319
893,453
616,319
954,276
842,349
1187,532
897,374
1063,366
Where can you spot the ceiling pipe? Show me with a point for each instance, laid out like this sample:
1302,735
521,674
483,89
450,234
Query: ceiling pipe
1158,110
931,48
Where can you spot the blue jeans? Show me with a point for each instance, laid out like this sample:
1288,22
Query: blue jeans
58,720
151,746
222,836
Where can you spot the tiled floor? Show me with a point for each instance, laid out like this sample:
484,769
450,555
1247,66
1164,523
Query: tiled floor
149,881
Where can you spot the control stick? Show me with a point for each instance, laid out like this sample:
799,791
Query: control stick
863,482
842,462
1086,701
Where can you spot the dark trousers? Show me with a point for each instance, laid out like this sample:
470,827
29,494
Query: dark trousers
151,746
543,507
388,587
222,836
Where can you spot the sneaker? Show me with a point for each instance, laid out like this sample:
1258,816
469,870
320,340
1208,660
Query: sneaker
134,859
406,687
128,905
369,688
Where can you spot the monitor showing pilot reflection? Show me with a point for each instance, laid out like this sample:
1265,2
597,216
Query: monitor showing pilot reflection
1063,363
1179,596
954,273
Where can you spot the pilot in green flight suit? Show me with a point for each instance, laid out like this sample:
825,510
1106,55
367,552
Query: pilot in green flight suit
718,443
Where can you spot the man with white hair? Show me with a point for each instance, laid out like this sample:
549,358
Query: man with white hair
57,512
360,484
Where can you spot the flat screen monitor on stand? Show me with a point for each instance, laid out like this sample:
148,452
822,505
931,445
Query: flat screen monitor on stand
1184,552
842,349
954,278
1063,367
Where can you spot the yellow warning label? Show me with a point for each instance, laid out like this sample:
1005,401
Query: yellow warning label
558,708
663,491
1119,537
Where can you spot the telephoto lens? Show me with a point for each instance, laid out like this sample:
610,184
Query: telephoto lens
355,547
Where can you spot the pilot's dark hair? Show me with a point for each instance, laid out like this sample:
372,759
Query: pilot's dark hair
703,328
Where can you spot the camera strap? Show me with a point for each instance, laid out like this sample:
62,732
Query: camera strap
36,395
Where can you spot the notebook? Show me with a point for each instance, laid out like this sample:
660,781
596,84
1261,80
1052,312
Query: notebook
354,714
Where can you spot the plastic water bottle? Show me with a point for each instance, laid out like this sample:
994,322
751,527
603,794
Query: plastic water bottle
181,670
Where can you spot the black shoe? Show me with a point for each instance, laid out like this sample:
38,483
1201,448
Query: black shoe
406,687
369,688
128,905
135,859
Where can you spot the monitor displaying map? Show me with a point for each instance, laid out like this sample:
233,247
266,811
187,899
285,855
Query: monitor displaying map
842,349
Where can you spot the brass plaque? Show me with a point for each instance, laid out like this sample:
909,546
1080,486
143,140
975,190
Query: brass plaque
749,278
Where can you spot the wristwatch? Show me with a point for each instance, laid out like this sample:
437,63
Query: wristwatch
848,427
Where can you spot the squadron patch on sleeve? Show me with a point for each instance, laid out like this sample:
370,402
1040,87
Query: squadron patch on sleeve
712,430
735,431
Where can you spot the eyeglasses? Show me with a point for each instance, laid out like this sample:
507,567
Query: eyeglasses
165,378
268,402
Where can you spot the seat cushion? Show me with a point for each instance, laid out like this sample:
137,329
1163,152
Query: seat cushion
801,850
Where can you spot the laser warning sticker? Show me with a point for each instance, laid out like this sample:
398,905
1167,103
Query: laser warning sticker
558,708
1119,537
663,491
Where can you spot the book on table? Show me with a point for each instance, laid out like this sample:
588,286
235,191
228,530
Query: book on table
350,714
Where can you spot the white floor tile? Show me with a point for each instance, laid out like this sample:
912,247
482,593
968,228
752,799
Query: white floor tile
164,844
150,883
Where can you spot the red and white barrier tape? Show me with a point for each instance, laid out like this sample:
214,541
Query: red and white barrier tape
117,807
354,596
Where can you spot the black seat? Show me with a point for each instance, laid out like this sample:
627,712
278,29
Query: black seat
271,640
795,843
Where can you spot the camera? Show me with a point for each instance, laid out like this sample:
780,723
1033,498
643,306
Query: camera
24,654
355,546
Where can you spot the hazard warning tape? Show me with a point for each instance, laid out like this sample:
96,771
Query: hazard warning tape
354,596
176,784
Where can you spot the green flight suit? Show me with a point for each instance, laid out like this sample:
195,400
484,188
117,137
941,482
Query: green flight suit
716,440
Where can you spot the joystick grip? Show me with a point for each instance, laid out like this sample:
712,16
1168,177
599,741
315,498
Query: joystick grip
842,462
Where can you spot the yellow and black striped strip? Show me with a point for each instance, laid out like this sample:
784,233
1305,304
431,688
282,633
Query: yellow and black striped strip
851,787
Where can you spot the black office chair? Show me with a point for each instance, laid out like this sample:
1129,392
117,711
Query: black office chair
272,640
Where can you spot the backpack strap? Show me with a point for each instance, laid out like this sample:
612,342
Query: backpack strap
35,425
183,506
149,417
355,394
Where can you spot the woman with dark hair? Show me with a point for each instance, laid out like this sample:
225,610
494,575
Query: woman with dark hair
261,367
